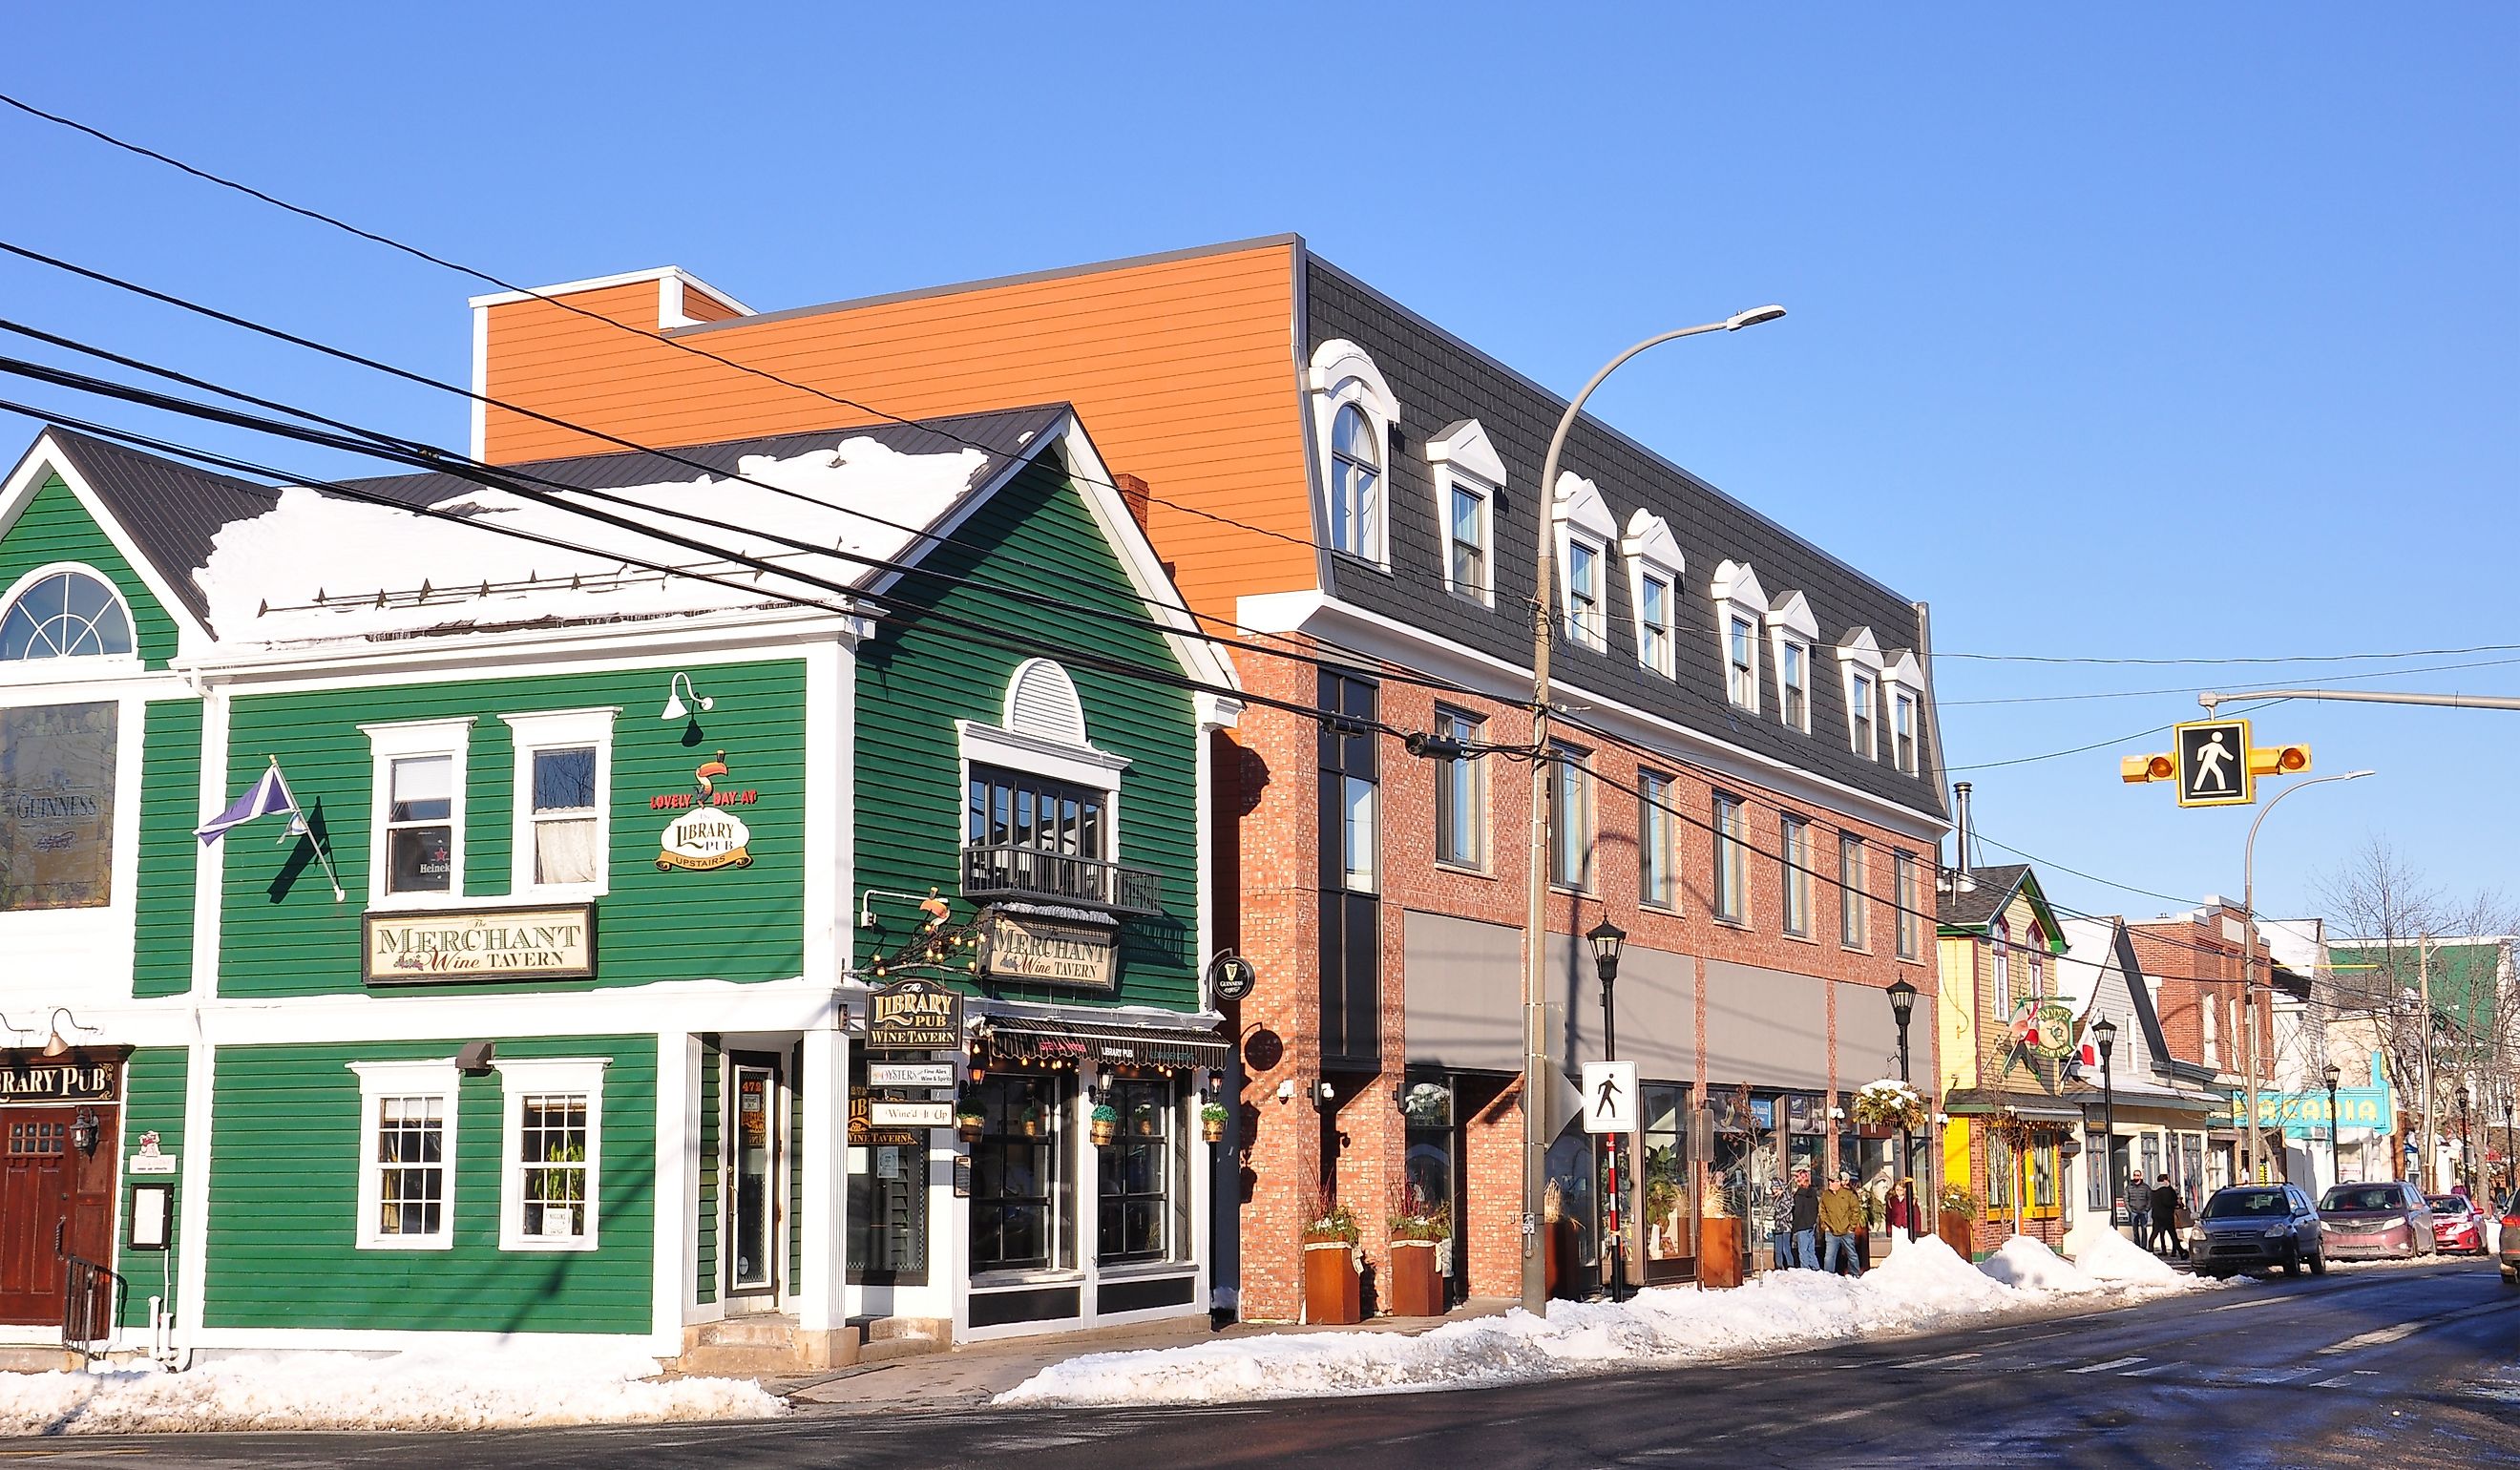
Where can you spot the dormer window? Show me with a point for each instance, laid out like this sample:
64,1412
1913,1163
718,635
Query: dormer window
1584,531
64,612
1903,679
1353,412
1468,475
1654,580
1860,661
1792,632
1741,608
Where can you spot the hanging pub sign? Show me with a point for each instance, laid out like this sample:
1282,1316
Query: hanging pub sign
557,943
1019,945
72,1080
1231,977
863,1134
914,1015
706,836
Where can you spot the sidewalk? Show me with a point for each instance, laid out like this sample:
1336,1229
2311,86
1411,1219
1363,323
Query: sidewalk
969,1377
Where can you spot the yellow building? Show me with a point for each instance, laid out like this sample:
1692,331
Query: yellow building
2003,1038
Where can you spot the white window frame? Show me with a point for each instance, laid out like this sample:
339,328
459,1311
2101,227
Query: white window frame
1653,555
79,665
2000,967
1791,625
1794,870
1907,904
1580,516
542,1077
1464,461
1461,724
1343,373
1857,655
1902,682
1854,894
1576,821
1731,875
1739,598
1658,850
406,740
378,1080
559,730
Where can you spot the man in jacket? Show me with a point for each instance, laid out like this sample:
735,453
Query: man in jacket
1806,1219
1841,1215
2165,1221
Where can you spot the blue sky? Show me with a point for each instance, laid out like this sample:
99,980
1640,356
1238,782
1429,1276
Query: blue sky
2184,333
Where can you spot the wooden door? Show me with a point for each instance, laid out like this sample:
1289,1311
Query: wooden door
56,1202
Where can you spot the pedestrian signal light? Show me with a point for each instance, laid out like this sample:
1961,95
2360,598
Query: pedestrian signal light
2278,760
2136,770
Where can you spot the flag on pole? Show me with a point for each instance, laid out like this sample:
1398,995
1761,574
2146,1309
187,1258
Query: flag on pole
268,794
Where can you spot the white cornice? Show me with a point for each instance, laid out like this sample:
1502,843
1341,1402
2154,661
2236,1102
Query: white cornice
469,653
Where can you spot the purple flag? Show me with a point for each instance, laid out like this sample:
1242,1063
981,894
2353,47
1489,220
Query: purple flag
268,794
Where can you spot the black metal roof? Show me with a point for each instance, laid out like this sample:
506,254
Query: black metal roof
1977,906
169,510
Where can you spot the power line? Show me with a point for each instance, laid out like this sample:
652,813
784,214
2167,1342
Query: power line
2239,690
2234,659
2040,862
2095,744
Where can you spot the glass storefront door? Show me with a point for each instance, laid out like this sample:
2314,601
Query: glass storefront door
753,1214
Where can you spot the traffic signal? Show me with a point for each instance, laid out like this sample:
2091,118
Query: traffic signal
2203,767
2278,760
2136,770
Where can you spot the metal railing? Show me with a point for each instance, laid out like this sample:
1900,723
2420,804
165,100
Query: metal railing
92,1299
1008,870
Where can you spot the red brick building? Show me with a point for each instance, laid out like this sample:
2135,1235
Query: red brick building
2192,962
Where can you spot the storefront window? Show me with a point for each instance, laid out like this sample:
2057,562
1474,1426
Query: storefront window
1664,1173
887,1223
1019,1195
1570,1207
1139,1173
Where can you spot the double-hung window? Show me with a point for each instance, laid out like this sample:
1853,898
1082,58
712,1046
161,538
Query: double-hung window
1794,682
1731,860
1654,565
1653,623
2003,966
1854,905
1657,841
1460,795
1586,621
1903,731
1465,539
1793,843
406,1154
1466,474
1861,697
563,793
551,1154
1570,818
1741,663
417,809
1355,484
1907,924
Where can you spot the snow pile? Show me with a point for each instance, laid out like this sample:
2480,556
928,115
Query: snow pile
1923,1285
350,551
2108,1257
507,1389
2024,1262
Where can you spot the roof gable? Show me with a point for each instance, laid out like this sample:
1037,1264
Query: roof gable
61,504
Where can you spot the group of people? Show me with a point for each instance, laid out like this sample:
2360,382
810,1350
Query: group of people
2161,1230
1823,1229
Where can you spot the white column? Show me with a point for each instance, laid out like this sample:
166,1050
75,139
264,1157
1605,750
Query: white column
678,1143
822,1304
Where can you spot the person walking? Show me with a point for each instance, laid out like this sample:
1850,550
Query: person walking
2165,1221
1806,1219
1841,1213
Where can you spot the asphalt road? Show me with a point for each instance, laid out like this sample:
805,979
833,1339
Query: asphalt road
2365,1371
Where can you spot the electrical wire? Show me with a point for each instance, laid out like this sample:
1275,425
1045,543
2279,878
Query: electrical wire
2236,690
2103,744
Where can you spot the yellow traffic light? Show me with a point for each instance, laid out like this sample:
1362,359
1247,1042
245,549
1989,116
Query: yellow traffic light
2278,760
2136,770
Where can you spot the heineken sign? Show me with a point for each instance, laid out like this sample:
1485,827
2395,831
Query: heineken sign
1055,951
914,1015
557,943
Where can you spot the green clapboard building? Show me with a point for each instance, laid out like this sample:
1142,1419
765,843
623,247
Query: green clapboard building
523,989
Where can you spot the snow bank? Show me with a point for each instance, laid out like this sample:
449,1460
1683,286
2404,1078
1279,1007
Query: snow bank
2109,1256
507,1389
1923,1285
2024,1262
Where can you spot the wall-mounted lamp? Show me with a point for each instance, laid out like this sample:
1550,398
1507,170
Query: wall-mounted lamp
1215,1083
1101,1080
84,1131
56,1043
677,687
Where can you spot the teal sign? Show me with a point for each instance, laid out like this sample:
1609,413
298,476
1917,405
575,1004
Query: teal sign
2301,1114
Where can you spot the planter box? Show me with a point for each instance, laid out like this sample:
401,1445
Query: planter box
1718,1251
1331,1286
1416,1289
1954,1228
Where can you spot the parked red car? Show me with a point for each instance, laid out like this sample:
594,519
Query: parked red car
2366,1222
2456,1226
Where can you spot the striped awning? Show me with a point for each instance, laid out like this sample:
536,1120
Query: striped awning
1041,1039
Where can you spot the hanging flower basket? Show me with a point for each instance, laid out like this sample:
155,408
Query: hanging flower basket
1211,1123
970,1124
1106,1124
1890,1103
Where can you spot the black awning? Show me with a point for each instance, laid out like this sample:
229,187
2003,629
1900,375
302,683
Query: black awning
1031,1038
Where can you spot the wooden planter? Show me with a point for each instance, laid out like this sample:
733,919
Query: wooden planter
1416,1288
1331,1291
1954,1228
1718,1251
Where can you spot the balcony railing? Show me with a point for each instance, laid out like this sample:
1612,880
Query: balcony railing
1006,870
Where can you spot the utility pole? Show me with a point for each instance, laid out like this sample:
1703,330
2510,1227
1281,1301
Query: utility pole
2424,1039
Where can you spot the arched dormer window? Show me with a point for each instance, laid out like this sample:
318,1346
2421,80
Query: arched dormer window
1353,412
65,612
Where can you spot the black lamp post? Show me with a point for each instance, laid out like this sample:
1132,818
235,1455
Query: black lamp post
1605,938
2335,1169
2105,1035
1903,1004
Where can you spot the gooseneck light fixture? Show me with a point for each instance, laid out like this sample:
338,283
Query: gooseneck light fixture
675,688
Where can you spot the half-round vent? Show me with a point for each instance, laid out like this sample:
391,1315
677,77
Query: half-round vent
1041,700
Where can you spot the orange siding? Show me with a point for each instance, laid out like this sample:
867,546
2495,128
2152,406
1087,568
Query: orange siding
1183,370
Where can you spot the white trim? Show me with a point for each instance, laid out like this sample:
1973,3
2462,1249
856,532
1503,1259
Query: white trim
659,274
380,1080
1343,373
1651,549
1737,598
538,1076
90,665
27,481
1904,680
559,730
407,739
1018,750
1579,516
1461,458
478,412
1859,655
1360,629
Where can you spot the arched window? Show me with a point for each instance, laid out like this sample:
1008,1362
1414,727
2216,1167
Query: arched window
2003,970
1355,482
66,614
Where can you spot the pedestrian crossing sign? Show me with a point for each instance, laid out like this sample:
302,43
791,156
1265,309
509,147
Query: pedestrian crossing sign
2214,764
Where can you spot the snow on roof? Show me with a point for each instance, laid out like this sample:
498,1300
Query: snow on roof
2299,944
2091,953
318,566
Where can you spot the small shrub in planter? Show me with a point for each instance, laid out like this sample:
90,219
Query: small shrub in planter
1331,1224
1106,1123
969,1122
1211,1122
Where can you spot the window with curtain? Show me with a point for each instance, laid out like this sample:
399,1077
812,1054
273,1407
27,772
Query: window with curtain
1460,795
1657,842
1570,818
1793,851
1853,901
566,825
1731,860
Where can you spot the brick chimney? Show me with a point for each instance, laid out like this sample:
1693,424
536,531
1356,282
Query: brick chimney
1133,494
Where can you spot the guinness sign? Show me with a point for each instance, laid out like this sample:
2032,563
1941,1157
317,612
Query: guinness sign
914,1015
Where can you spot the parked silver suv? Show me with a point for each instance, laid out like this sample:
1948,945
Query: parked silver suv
2259,1227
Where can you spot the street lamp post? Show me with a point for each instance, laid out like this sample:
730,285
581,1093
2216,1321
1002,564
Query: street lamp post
2335,1169
1605,938
1535,934
2249,955
2105,1035
1903,1004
